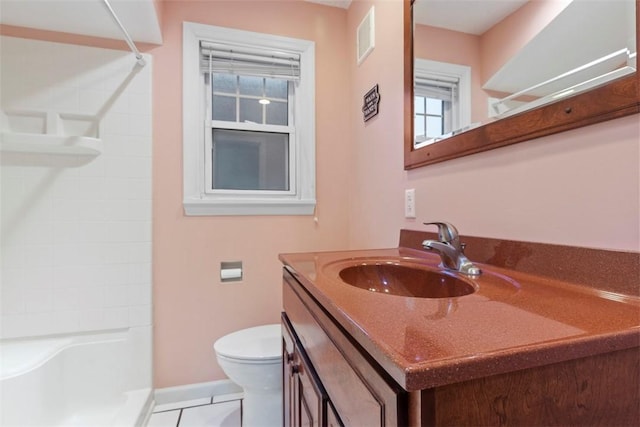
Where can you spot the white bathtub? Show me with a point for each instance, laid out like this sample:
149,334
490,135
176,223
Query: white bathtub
101,379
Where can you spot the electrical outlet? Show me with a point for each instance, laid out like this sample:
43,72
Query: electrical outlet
410,203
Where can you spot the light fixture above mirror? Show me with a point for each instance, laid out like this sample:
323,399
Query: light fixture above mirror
503,118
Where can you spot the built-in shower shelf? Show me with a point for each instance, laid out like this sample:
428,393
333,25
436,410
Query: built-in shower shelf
50,144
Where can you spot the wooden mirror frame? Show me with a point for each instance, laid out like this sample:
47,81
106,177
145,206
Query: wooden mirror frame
612,100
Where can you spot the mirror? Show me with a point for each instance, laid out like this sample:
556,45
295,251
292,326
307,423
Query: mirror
503,95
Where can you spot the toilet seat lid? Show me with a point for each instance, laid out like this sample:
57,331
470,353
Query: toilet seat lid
257,343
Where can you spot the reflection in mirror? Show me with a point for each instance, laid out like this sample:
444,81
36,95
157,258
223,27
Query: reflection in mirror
481,61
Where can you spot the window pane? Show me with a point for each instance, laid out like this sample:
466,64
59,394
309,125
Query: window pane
419,104
251,85
419,127
275,88
226,83
244,160
224,108
434,106
250,111
434,127
277,113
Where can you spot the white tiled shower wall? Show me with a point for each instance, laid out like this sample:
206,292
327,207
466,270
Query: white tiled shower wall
76,231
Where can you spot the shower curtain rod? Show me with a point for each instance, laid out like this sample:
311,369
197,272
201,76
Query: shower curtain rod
127,37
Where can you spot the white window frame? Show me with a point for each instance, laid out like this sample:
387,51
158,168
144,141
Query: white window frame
300,200
463,74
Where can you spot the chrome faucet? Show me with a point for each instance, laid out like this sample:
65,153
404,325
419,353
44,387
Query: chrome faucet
450,249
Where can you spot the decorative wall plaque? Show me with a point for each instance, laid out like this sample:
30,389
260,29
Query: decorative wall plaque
371,101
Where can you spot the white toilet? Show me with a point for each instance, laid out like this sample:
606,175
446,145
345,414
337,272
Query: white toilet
252,358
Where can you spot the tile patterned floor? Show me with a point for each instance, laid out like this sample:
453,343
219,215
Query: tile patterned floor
217,411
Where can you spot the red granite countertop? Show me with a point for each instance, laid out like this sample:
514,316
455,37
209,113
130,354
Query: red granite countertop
513,321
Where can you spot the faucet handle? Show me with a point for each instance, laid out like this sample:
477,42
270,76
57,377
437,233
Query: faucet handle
447,233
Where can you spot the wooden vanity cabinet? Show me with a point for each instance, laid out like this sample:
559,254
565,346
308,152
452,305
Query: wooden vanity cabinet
328,380
337,383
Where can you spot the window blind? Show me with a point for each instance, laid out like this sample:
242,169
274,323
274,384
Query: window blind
440,87
244,60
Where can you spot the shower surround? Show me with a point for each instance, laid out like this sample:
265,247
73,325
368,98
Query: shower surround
75,182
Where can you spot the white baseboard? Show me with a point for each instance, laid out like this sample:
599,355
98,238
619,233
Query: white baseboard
195,391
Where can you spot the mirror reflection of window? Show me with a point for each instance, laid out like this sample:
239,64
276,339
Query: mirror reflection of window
442,100
435,107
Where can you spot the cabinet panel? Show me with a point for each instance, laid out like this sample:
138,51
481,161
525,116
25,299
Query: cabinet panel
332,418
310,398
288,376
304,397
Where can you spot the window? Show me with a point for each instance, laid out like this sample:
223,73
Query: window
434,112
441,100
248,123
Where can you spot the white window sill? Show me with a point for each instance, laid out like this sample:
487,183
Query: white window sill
200,207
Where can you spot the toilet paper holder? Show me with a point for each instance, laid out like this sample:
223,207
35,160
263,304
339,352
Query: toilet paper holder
230,271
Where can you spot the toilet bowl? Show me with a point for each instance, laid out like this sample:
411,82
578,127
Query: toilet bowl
252,358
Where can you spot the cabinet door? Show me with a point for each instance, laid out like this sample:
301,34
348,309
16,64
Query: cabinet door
304,397
360,391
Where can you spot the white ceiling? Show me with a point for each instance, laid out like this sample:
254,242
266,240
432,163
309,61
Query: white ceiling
467,16
85,17
477,16
344,4
91,18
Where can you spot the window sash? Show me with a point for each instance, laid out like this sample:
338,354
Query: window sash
264,167
210,124
208,137
239,97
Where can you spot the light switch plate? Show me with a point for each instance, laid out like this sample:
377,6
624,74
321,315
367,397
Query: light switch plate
410,203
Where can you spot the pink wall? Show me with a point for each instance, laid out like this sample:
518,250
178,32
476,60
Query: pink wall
580,187
377,173
191,307
454,47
